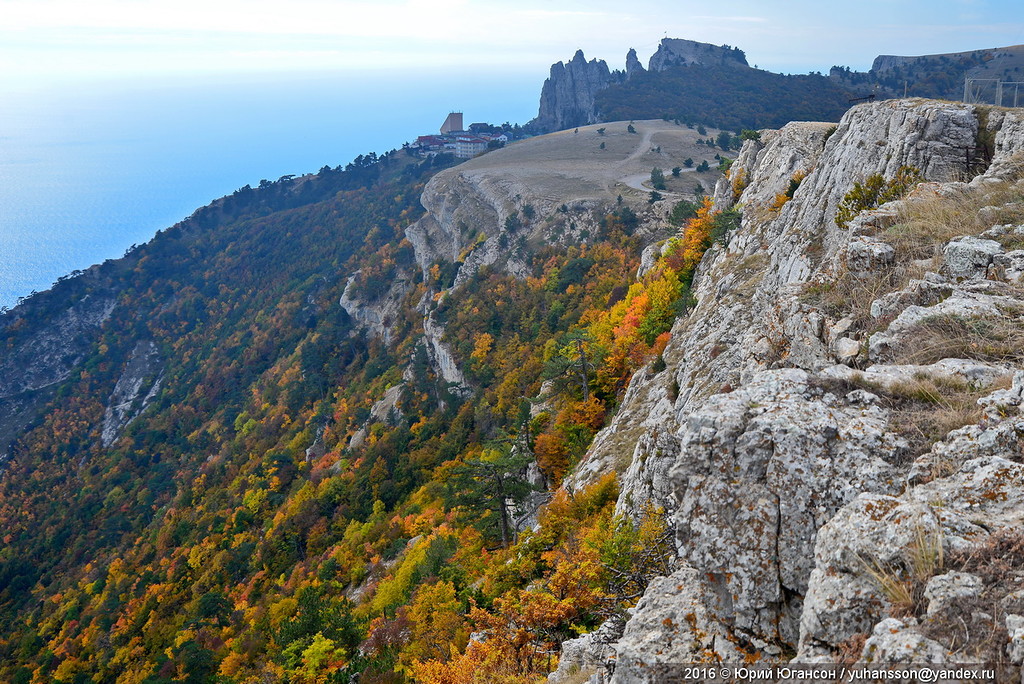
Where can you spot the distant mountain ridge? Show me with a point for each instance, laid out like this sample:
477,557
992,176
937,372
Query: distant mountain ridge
942,75
714,85
568,96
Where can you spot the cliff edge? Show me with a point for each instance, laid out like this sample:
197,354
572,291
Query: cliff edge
836,431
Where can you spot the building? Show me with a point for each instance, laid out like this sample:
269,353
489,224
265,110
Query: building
453,124
468,146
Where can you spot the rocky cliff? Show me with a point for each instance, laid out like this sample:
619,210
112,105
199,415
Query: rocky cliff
837,424
680,52
567,97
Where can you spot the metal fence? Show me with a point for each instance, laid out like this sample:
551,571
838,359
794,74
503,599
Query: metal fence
993,91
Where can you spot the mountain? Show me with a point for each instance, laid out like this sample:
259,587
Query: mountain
688,81
567,98
267,428
415,421
700,83
942,75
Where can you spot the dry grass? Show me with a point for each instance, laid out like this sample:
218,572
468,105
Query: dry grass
580,676
932,407
974,628
903,584
998,560
924,226
851,294
850,651
993,340
923,410
927,223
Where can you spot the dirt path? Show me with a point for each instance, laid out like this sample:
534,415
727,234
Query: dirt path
636,181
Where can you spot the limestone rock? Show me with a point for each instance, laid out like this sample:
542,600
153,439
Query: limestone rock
882,536
676,622
379,315
591,652
918,292
969,257
943,590
865,255
872,533
48,356
846,350
567,97
895,641
1009,266
758,468
787,485
901,335
441,356
1015,629
1002,438
1004,402
677,52
648,257
135,389
873,221
898,377
633,65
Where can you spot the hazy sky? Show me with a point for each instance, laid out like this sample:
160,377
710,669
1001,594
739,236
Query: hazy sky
46,40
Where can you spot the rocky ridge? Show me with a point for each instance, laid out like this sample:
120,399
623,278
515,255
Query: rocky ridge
680,52
567,97
797,435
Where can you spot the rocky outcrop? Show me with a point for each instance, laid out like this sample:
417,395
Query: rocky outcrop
379,315
785,472
48,356
441,357
680,52
889,62
41,359
567,98
135,389
633,65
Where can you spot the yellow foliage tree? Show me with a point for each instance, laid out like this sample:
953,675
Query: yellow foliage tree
437,624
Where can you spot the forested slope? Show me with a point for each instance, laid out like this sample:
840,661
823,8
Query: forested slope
225,476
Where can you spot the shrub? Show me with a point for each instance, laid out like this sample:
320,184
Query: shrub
876,191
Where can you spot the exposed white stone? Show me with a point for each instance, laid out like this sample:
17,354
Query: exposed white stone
772,462
846,350
900,378
676,622
942,591
136,387
865,254
1015,630
916,293
592,652
969,257
1009,266
895,641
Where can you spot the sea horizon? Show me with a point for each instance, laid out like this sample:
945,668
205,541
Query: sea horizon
91,168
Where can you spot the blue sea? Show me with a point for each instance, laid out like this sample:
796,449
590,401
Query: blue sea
89,169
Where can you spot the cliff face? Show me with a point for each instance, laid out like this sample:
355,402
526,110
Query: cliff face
43,352
786,435
680,52
567,97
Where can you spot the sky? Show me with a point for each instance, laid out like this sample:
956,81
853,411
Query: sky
44,42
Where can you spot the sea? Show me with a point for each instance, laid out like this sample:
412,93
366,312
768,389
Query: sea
88,169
